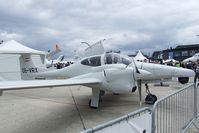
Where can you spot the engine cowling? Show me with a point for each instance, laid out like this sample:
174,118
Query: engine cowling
183,80
119,80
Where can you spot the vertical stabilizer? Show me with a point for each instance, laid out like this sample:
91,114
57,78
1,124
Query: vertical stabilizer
27,67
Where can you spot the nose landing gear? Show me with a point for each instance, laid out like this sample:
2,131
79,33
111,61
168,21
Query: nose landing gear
150,98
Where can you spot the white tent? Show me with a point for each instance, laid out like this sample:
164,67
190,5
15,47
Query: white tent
140,57
10,53
14,47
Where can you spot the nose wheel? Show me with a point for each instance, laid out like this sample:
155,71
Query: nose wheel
150,98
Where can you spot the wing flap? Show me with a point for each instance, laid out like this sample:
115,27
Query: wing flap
30,84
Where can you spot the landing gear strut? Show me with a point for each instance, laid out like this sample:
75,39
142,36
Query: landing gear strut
96,98
150,98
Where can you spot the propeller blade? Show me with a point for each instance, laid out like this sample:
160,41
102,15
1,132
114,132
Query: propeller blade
142,74
136,68
139,83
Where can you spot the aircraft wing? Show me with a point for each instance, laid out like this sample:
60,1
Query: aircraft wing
30,84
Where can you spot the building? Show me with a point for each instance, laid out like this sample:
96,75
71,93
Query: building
179,53
157,55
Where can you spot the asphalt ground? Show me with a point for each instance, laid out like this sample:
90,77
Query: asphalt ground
66,110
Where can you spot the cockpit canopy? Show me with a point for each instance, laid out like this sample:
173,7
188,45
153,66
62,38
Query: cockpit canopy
110,58
92,61
114,58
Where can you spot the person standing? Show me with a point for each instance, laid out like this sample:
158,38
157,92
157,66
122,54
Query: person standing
196,71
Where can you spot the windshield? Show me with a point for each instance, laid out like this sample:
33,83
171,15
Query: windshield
113,58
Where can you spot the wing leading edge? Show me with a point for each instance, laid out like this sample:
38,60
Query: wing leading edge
30,84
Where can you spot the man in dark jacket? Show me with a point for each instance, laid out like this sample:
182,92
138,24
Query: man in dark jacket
196,71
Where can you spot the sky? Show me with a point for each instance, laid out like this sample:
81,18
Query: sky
127,25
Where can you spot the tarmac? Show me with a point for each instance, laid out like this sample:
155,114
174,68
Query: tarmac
66,110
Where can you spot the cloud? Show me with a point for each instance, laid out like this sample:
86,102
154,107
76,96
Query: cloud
132,25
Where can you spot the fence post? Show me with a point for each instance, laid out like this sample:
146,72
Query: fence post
153,118
153,122
195,101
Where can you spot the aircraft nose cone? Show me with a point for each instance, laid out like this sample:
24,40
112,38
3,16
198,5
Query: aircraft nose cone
189,73
182,72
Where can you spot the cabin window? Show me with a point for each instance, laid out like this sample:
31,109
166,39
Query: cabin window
93,61
116,59
108,59
126,61
85,62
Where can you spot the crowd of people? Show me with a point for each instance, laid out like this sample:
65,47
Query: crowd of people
188,65
60,65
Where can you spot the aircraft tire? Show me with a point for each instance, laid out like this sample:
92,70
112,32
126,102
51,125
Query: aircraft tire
150,99
183,80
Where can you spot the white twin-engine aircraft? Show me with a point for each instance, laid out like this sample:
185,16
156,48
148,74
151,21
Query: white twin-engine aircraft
194,58
107,72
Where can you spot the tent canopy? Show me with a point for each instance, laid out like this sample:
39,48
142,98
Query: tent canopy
14,47
140,57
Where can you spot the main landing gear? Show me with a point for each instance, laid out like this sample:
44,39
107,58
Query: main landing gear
150,98
96,98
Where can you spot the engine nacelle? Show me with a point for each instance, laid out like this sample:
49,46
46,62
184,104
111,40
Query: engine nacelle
183,80
119,80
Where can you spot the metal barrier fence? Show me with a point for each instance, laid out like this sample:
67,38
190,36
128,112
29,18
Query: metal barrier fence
174,113
135,122
197,99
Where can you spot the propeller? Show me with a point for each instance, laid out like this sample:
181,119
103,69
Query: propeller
136,68
139,74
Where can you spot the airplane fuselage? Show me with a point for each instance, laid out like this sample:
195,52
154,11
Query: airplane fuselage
116,71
